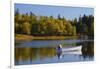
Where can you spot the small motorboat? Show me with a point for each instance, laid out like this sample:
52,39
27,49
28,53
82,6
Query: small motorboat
66,50
69,50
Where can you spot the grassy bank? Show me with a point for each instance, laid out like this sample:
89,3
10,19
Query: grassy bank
30,37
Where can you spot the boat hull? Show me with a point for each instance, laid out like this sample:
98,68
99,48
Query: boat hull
77,48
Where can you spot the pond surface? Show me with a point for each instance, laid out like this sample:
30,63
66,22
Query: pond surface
44,51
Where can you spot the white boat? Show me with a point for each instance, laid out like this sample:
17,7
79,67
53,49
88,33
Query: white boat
72,52
77,48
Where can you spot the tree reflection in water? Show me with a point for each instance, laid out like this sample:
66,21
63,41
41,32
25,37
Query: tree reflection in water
88,49
28,55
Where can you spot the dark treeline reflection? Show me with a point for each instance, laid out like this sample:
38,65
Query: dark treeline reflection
87,49
29,55
24,54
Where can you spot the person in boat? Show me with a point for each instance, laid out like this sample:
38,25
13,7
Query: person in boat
59,50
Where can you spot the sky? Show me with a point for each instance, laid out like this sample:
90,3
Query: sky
48,10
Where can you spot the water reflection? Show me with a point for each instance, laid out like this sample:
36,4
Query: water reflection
59,54
88,49
29,55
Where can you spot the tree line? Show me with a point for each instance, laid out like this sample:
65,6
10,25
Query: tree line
31,24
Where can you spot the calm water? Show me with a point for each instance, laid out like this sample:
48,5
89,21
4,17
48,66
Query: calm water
41,52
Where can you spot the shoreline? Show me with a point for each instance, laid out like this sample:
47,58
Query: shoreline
30,37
